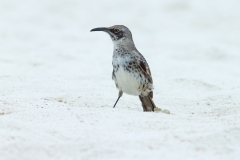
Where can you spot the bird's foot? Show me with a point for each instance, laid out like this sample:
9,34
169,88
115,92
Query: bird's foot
160,110
157,109
166,111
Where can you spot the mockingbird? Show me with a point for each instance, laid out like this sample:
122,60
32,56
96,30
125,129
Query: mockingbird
131,72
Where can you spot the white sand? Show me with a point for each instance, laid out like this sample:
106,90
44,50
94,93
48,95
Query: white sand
56,92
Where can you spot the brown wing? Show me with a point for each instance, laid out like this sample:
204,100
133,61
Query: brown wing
146,70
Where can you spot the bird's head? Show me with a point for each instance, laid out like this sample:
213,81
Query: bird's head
118,33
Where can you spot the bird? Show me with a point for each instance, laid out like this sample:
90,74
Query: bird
131,72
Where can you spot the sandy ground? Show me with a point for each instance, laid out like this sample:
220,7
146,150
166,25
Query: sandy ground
56,92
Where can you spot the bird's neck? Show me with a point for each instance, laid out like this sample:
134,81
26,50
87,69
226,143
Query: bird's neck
126,44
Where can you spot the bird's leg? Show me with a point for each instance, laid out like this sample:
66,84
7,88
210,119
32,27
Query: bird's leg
119,95
143,105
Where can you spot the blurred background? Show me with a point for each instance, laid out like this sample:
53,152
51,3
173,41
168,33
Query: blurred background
53,69
188,39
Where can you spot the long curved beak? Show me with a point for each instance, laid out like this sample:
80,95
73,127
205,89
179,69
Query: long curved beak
99,29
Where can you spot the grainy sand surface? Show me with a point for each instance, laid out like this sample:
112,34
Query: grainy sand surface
56,91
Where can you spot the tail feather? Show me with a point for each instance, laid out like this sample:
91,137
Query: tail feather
147,103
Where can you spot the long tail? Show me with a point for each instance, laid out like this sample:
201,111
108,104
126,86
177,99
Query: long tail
147,103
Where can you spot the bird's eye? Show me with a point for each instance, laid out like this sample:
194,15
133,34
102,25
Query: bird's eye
116,30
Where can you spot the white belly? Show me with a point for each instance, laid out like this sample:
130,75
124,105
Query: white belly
128,82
